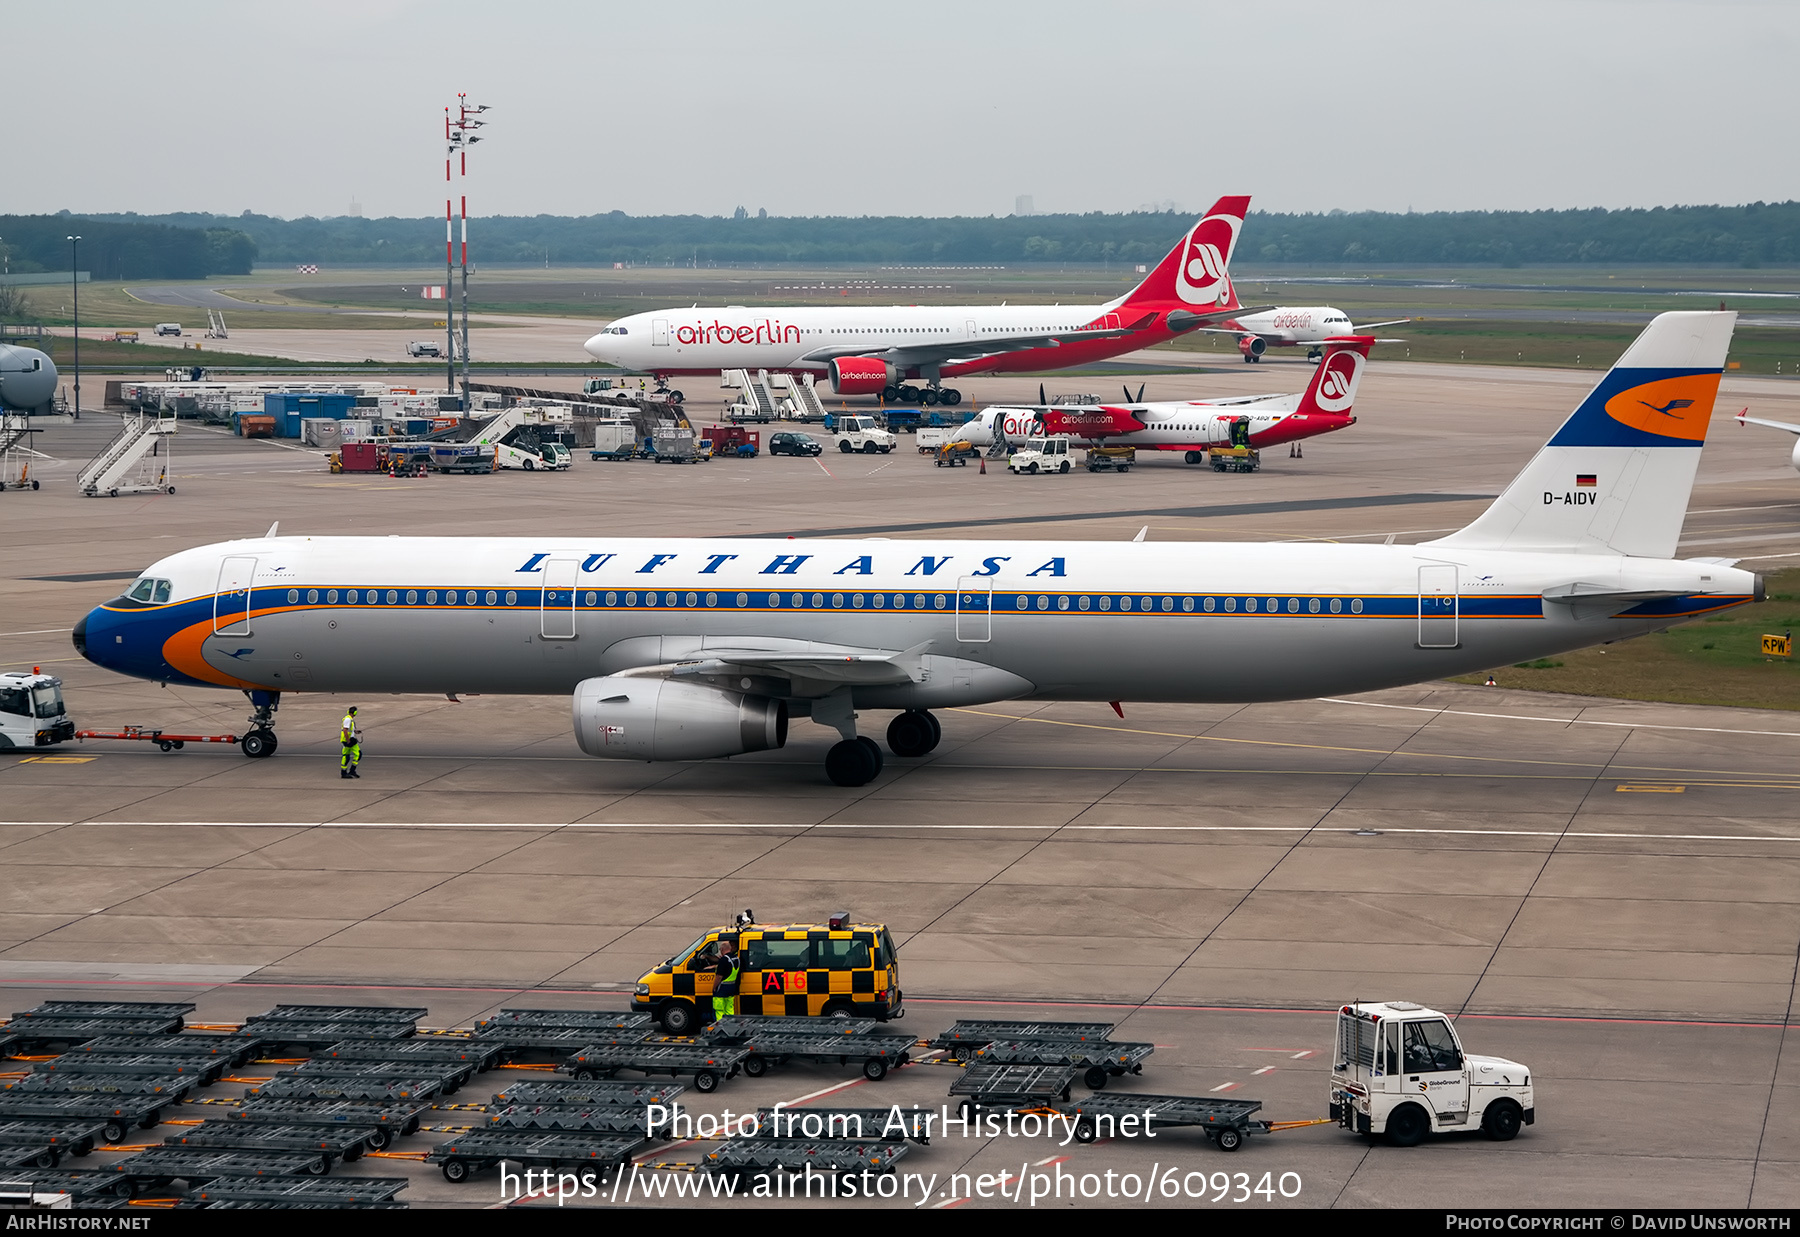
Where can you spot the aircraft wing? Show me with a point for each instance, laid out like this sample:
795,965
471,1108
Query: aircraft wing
1591,601
861,667
948,353
1365,327
1741,419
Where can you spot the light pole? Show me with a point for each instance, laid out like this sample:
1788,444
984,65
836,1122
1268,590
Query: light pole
459,135
75,295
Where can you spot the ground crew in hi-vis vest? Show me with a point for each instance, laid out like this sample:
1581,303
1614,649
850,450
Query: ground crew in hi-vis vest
350,739
725,979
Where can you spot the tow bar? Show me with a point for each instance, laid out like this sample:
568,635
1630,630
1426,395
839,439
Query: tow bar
162,738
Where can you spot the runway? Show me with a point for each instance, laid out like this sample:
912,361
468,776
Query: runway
1604,890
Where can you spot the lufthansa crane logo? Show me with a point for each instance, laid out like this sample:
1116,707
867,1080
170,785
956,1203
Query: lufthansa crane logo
1677,407
1202,280
1337,384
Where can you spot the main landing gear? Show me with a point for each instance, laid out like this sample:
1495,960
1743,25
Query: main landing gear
259,740
857,759
907,393
662,388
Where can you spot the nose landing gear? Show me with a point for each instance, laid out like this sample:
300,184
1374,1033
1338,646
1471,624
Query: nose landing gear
259,741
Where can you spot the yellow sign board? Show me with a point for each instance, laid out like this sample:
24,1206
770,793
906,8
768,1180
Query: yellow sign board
440,322
1778,646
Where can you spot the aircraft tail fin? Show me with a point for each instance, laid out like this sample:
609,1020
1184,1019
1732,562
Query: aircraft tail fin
1332,390
1197,273
1616,478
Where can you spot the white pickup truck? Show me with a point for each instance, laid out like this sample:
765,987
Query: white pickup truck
1399,1070
1038,456
861,434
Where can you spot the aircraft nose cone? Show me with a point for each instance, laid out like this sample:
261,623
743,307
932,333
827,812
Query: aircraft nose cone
79,636
596,346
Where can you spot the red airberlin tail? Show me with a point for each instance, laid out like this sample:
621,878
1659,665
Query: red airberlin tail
1333,386
1196,274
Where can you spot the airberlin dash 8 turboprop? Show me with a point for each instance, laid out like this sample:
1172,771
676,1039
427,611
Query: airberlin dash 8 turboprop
691,648
1285,326
875,350
1196,426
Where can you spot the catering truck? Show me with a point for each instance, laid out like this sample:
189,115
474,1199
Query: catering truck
1399,1070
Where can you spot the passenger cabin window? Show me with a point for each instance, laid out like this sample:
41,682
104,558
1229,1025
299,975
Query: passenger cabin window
844,955
15,700
1429,1048
765,954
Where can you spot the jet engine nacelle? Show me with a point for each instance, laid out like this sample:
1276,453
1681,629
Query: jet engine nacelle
1252,345
27,378
623,717
860,375
1795,461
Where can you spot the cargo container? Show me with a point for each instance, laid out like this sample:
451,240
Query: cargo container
290,408
351,429
462,457
321,432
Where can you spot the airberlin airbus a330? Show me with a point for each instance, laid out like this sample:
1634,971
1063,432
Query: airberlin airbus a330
686,649
874,350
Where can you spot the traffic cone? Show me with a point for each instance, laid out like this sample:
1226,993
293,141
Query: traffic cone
984,465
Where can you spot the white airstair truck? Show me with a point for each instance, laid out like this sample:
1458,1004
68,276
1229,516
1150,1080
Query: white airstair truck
514,436
1399,1070
136,462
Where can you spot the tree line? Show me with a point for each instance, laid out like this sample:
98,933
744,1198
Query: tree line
195,245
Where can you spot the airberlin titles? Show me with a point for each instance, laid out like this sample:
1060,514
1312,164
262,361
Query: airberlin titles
790,564
765,332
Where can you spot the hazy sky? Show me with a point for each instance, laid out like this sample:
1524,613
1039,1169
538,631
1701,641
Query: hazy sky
921,108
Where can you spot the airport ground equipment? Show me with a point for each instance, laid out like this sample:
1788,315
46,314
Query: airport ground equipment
86,1186
1097,1060
1399,1069
134,462
286,1192
167,740
312,1035
116,1114
407,1014
733,441
1235,459
215,325
1035,456
877,1054
1226,1122
860,433
1110,459
736,1028
853,1124
461,457
708,1065
40,1033
522,437
35,1154
330,1143
676,447
71,1137
931,438
234,1049
375,1088
482,1054
741,1157
110,1009
617,1094
461,1158
15,457
422,348
447,1076
970,1033
954,455
1011,1086
161,1166
206,1070
802,396
32,714
758,401
166,1089
382,1119
589,1118
509,1020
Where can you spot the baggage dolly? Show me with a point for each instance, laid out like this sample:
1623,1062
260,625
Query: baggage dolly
734,1028
117,1114
377,1088
84,1186
709,1065
160,1166
876,1053
204,1070
303,1192
33,1153
329,1144
1097,1061
483,1055
557,1019
448,1075
1226,1122
234,1049
382,1121
169,1089
1011,1086
586,1118
739,1157
461,1158
284,1033
110,1009
342,1013
853,1124
23,1032
611,1094
974,1032
73,1137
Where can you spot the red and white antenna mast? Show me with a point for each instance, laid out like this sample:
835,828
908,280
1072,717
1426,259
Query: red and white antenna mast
459,135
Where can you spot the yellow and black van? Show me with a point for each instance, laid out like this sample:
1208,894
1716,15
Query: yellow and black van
839,969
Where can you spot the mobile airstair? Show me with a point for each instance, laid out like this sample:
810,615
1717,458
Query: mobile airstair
135,462
758,402
215,325
804,395
15,457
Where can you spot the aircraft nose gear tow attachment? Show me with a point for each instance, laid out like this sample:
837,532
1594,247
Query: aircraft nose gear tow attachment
259,740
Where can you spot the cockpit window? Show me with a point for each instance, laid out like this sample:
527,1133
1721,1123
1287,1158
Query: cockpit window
142,590
162,592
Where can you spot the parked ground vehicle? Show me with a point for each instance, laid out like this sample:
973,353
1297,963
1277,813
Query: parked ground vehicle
1400,1070
834,969
420,347
168,328
1111,459
31,708
1040,455
954,454
861,434
786,443
731,441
